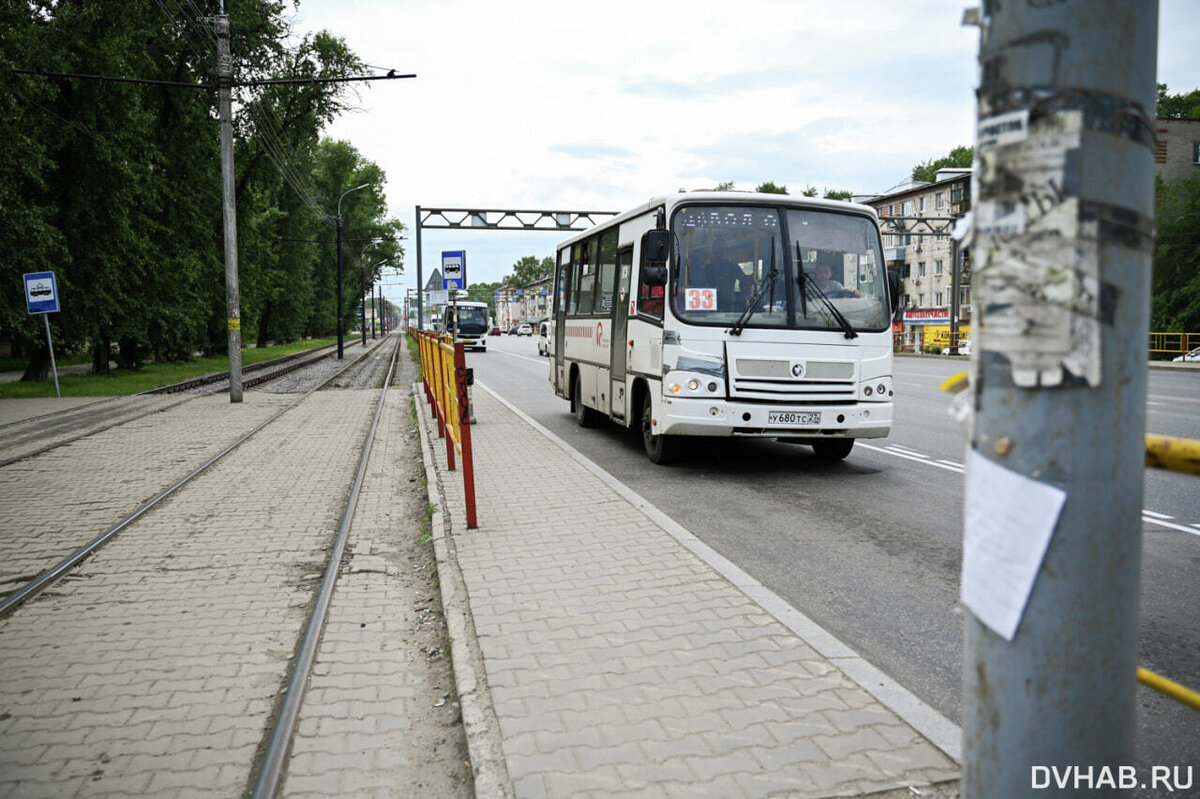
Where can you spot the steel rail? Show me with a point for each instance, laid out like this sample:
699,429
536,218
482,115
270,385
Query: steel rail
271,772
289,364
54,573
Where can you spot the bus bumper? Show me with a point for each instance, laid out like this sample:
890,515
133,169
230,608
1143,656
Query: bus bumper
695,417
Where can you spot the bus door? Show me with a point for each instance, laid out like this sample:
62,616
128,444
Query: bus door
561,285
620,322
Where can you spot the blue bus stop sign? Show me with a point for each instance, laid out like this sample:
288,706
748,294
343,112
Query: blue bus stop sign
41,292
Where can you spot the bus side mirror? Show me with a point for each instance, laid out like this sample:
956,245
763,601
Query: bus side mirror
893,278
656,250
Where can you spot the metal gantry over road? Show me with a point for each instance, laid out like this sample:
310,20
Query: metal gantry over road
497,219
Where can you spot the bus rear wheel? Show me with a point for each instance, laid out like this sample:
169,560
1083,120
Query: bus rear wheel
832,449
584,416
659,449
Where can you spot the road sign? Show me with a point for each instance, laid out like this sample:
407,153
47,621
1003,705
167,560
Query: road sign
41,292
454,269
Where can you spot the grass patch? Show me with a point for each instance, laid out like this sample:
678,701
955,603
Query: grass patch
427,523
121,382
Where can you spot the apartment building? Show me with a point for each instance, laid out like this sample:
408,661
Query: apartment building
917,220
528,303
1176,147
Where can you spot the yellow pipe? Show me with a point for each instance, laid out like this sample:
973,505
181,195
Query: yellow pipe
1171,689
1175,454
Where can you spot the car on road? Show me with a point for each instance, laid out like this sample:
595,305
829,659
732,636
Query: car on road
525,330
1188,357
495,331
544,338
964,348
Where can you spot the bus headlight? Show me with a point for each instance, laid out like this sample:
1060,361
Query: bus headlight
878,390
685,384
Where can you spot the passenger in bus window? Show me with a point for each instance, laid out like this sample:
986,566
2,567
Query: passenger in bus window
823,275
722,274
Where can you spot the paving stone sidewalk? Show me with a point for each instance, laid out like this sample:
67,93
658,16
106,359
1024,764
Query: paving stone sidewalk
612,660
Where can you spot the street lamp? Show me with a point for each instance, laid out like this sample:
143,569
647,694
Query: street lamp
367,293
339,263
362,294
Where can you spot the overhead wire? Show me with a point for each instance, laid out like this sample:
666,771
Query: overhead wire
200,36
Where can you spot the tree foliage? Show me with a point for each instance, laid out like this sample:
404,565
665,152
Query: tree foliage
1175,301
769,187
1178,106
958,157
116,187
530,270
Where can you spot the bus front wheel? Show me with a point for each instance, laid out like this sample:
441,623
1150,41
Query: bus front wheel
832,449
659,449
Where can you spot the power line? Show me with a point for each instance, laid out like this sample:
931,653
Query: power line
210,86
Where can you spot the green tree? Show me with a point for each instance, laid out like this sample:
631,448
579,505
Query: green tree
338,167
1178,106
530,270
958,157
1175,300
116,187
29,234
838,194
810,191
769,187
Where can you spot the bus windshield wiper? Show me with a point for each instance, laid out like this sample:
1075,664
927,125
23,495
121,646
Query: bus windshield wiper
807,281
769,283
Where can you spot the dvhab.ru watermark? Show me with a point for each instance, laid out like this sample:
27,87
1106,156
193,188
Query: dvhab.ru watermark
1168,779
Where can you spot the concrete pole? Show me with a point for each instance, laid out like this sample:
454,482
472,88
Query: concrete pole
363,293
340,325
233,300
1063,238
955,300
340,329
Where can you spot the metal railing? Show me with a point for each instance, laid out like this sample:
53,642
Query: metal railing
1165,346
443,367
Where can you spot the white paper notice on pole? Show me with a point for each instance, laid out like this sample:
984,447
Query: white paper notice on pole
1008,522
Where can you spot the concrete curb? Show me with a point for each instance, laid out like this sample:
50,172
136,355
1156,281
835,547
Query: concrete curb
480,724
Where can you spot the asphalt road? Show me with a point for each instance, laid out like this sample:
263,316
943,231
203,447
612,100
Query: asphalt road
870,548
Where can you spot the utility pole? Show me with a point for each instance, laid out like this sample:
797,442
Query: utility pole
420,276
1063,238
233,302
340,324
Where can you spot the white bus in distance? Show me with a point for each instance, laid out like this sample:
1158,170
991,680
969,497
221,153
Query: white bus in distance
728,314
468,321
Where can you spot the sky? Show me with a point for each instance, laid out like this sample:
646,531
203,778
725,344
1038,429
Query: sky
529,104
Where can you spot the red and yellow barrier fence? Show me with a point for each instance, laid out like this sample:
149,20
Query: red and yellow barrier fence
444,369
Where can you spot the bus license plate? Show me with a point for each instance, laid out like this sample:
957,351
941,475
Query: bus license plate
794,418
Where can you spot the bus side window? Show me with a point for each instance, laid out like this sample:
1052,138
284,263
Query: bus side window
587,277
607,275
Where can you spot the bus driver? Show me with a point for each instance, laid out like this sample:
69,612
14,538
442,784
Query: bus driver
722,274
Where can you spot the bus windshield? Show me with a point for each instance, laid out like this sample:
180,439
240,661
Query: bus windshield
761,266
472,319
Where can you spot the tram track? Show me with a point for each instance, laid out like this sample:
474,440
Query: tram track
36,435
16,597
269,760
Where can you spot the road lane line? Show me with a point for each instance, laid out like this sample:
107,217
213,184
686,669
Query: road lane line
921,459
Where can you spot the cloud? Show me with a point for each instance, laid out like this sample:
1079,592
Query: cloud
711,88
593,152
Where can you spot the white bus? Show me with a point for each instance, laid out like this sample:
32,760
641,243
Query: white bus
469,323
728,314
